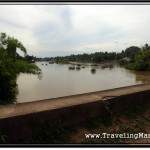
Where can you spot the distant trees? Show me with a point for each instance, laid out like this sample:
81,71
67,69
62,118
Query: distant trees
139,57
97,57
29,58
11,67
104,56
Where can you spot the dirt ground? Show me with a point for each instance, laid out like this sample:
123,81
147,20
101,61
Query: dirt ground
123,123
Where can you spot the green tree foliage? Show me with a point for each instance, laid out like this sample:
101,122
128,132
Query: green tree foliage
30,58
131,52
146,47
104,56
11,44
11,67
142,60
97,57
7,78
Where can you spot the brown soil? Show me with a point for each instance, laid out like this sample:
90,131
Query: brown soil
129,123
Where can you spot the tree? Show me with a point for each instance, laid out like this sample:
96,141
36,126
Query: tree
132,51
11,45
146,47
142,60
11,67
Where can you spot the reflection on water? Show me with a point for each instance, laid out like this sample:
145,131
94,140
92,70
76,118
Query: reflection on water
59,81
144,77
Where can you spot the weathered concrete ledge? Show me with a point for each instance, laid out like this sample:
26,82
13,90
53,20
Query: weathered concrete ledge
55,103
19,119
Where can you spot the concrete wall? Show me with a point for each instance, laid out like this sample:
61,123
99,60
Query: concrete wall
18,126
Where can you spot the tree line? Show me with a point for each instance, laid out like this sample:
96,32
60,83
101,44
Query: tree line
99,57
133,57
96,57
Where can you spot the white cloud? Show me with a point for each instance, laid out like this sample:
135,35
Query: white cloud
65,28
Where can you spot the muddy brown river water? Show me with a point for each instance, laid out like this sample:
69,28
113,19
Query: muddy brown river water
58,81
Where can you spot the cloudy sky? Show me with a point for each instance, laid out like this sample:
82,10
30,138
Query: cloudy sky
54,30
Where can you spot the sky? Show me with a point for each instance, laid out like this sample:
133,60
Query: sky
59,30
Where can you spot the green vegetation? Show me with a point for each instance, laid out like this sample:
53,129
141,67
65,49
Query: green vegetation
93,70
71,68
11,67
60,60
107,116
48,132
97,57
3,138
130,52
78,68
133,58
140,60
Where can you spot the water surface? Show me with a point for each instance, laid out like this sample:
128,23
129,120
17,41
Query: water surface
59,81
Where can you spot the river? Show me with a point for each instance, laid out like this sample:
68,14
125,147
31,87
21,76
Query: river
58,81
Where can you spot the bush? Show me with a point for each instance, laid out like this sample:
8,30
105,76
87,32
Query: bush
71,68
78,68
